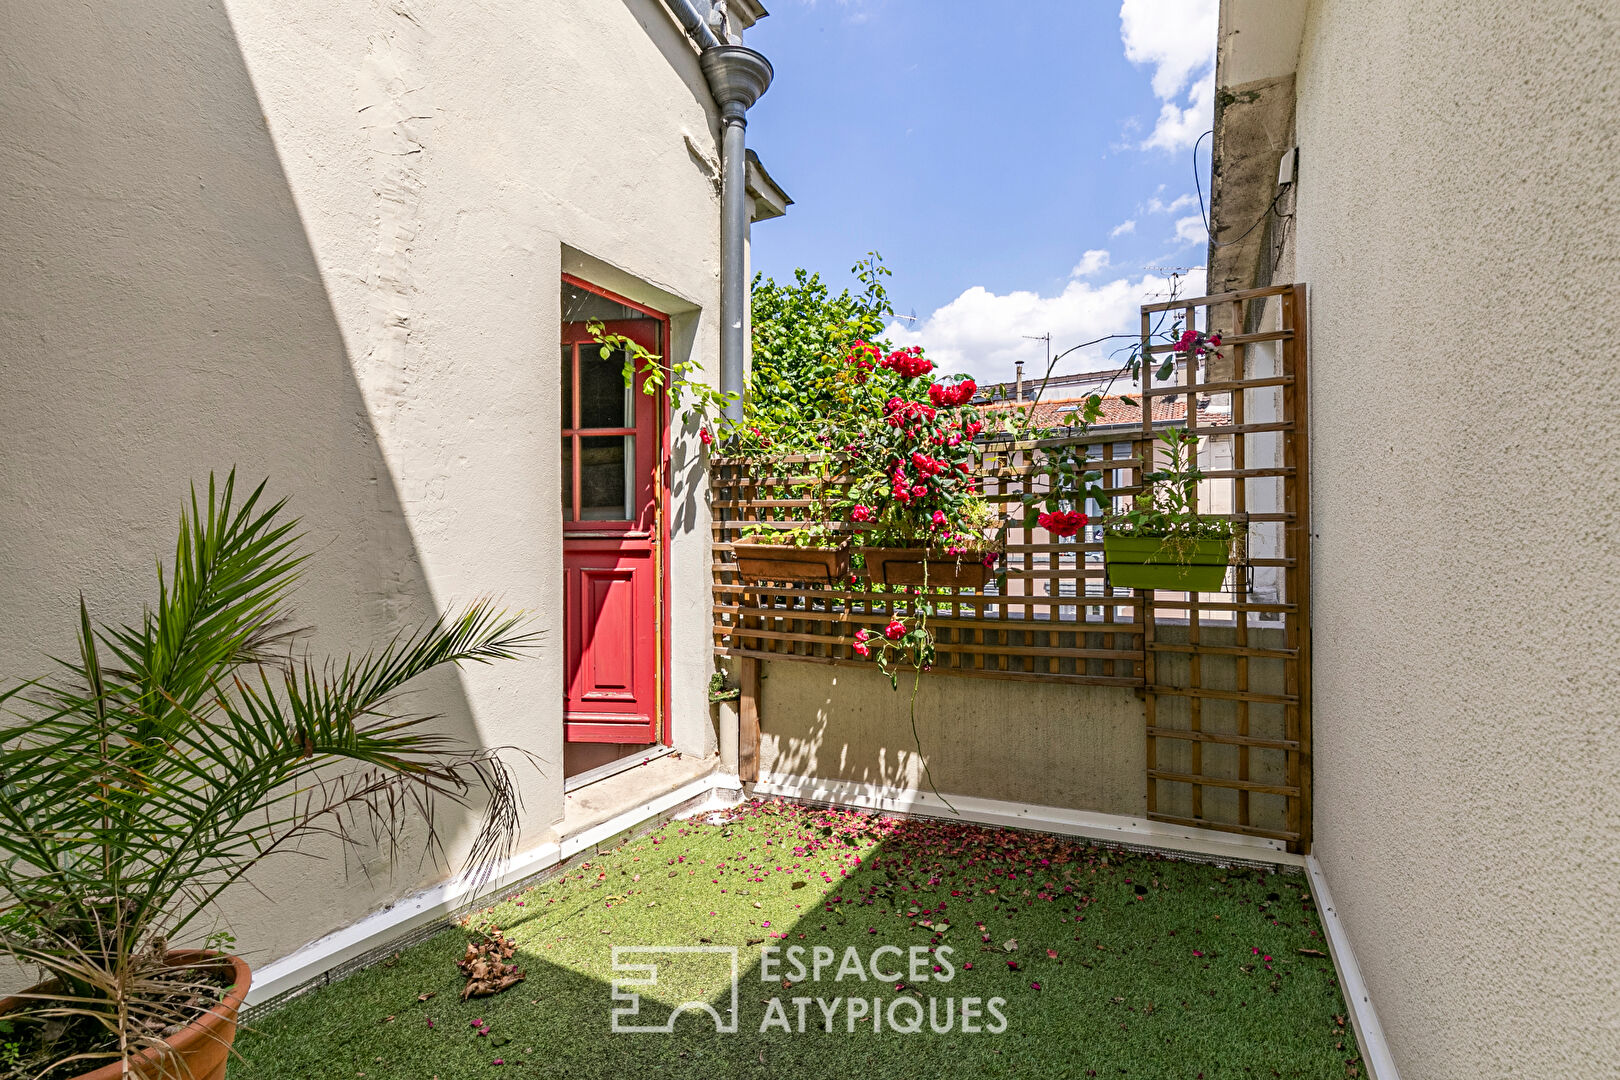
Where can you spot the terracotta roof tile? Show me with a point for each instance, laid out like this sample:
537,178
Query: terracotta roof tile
1116,412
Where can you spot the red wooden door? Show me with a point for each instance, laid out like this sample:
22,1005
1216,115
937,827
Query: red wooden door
611,541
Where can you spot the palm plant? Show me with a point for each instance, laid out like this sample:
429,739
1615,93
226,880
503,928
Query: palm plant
172,756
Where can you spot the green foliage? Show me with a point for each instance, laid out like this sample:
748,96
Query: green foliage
720,691
1166,506
690,398
802,392
174,754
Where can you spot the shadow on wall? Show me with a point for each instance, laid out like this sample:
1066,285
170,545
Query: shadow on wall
164,316
1079,747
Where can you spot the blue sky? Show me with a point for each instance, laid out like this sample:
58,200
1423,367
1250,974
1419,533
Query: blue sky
994,154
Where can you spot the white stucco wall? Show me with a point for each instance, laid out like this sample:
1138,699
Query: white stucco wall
1459,224
321,242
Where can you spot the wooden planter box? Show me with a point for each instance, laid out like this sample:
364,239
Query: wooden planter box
760,561
904,566
1148,562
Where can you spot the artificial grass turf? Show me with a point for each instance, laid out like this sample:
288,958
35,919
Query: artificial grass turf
1123,964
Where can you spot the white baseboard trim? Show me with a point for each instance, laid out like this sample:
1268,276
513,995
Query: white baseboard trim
1111,828
401,917
1363,1017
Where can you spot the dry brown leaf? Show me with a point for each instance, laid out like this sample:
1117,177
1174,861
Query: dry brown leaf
486,969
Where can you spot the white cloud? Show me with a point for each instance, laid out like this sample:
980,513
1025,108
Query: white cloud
1157,205
1124,227
981,332
1190,230
1092,262
1179,128
1177,37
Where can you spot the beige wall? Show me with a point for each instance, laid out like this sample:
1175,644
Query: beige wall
1459,223
1050,745
1045,744
321,242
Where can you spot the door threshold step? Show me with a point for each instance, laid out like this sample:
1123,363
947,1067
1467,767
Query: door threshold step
614,768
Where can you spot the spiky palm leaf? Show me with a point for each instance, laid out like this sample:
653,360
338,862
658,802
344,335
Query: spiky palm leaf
173,755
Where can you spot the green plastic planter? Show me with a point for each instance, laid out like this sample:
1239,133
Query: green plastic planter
1148,562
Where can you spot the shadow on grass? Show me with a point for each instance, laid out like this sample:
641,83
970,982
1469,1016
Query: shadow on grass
1121,965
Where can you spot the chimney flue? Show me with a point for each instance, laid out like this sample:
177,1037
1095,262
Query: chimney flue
1018,380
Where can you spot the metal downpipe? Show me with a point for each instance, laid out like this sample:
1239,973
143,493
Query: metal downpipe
692,22
737,76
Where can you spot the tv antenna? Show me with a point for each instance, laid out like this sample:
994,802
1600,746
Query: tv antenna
1046,337
1174,272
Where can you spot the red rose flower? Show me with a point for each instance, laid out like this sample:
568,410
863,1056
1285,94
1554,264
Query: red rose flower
861,513
707,438
909,363
895,630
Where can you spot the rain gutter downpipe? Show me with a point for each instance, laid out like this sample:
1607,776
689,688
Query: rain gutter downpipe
693,24
737,76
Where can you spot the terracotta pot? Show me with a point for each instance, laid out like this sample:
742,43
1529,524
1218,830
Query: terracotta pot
203,1046
759,561
904,566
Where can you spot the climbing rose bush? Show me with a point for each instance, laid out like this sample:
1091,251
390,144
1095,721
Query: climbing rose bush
912,463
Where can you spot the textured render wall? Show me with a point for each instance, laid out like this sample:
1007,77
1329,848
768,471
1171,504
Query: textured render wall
321,242
1459,223
1074,747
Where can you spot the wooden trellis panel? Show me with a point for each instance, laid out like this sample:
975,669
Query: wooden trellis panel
1058,619
1228,675
1225,676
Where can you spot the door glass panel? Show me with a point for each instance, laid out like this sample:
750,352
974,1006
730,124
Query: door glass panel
568,479
607,477
567,387
604,400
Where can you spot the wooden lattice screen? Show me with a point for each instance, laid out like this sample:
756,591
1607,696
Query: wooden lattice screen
1227,679
1057,620
1223,675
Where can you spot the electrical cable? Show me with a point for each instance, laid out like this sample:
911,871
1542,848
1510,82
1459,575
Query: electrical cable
1205,214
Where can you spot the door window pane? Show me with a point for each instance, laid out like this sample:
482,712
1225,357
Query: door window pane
604,400
606,477
568,479
567,387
